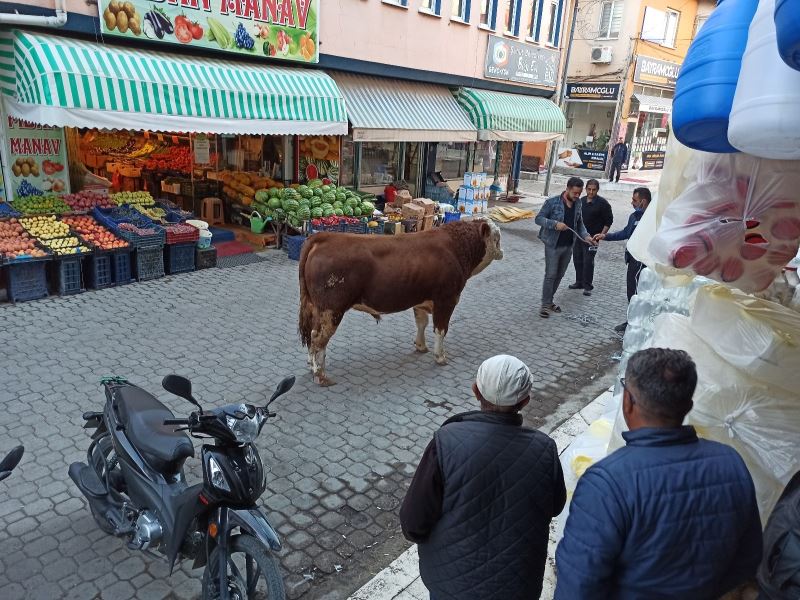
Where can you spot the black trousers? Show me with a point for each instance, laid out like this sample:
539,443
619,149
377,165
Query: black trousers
615,167
634,269
583,261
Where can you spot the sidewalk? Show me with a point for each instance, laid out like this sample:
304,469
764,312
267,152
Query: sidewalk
401,580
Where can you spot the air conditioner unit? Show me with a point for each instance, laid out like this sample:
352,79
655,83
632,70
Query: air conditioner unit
601,54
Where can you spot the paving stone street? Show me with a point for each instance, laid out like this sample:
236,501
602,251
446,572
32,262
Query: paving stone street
339,459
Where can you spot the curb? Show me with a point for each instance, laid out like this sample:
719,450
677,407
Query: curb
401,580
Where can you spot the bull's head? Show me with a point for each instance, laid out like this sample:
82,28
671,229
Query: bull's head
491,237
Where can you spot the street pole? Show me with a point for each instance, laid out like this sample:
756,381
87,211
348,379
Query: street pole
561,95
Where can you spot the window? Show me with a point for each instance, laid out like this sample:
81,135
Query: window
699,22
489,13
451,159
534,20
660,27
511,20
610,20
461,10
379,162
402,3
431,6
554,27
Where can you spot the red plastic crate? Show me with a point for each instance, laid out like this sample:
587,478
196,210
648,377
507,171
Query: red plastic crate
180,233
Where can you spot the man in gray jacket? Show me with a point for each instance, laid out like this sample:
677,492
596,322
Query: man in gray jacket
559,219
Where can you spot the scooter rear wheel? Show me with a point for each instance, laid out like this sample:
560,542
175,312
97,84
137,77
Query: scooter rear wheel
253,573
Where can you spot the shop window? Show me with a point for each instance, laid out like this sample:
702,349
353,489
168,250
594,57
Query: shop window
660,27
534,20
451,159
485,154
511,17
460,10
610,20
433,7
379,161
489,14
347,170
554,23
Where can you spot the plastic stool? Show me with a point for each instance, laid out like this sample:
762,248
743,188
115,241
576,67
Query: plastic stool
211,211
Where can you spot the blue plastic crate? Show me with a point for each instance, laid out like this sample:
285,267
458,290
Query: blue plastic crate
449,217
123,269
149,263
100,270
27,280
295,245
354,227
112,218
179,258
69,275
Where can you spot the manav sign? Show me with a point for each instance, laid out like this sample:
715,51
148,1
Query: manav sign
655,71
522,63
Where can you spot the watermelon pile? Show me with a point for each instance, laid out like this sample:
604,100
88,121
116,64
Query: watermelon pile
315,200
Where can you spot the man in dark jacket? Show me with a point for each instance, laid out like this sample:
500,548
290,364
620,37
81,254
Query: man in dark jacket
597,217
619,155
558,220
640,201
668,515
484,493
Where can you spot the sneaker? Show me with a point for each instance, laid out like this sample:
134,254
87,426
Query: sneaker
575,286
587,292
621,327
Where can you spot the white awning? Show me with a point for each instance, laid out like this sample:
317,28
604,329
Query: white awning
654,104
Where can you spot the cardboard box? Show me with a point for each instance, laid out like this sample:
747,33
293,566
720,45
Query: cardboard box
392,228
413,211
426,203
402,197
426,223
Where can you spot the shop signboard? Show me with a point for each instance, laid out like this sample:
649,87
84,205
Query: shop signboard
202,149
522,63
652,159
582,158
279,29
592,91
318,157
37,158
655,71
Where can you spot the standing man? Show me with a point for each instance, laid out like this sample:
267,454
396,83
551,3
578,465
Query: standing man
619,154
484,493
597,217
557,219
640,201
668,515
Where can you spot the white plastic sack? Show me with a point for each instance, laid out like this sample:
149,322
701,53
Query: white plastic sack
737,223
761,422
759,338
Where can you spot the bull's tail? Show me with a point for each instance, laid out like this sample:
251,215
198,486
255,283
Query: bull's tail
306,318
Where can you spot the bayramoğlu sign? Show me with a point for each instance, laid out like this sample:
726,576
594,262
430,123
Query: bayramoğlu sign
653,70
281,29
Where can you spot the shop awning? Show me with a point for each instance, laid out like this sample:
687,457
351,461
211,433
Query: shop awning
388,110
654,104
64,82
512,117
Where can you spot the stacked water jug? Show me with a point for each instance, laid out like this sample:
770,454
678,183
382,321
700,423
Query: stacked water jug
739,87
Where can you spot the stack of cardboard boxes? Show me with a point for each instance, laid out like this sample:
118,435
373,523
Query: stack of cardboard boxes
473,195
419,210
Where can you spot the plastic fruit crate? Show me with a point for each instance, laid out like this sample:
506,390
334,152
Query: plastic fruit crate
100,270
295,245
179,258
68,275
122,267
451,216
149,263
27,280
205,258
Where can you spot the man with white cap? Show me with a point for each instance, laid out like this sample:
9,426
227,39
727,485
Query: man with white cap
484,493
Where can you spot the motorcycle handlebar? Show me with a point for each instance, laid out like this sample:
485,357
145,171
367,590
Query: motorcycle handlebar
176,421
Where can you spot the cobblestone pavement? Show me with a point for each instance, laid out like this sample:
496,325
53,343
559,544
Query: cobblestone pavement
339,459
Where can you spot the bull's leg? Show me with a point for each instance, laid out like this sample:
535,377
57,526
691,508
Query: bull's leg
421,317
442,311
323,332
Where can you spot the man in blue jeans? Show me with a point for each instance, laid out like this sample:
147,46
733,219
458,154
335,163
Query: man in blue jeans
619,155
559,219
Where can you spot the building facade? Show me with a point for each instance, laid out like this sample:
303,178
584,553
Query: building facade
625,60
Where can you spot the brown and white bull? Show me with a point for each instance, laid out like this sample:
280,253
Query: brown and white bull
384,274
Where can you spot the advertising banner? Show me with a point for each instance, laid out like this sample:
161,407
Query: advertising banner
655,71
592,91
581,158
652,159
37,159
522,63
280,29
318,158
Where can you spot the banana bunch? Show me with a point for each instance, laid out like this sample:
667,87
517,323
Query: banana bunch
145,150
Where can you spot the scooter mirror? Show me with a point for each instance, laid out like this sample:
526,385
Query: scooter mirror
180,386
283,387
4,475
11,461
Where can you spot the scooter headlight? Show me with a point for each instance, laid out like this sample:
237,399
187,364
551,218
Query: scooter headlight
245,429
217,477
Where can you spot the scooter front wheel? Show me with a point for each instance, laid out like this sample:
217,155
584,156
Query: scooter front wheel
253,573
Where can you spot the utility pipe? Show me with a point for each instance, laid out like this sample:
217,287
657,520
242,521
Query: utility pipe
57,20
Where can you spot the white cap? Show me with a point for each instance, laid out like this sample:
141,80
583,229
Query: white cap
504,380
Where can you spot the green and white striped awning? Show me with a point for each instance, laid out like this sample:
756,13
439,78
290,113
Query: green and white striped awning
390,110
58,81
512,117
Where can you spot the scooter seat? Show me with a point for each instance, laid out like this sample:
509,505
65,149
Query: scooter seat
142,415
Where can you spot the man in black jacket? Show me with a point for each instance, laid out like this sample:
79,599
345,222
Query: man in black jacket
619,155
484,493
597,217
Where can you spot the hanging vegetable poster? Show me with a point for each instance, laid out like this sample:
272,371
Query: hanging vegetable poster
38,159
318,158
280,29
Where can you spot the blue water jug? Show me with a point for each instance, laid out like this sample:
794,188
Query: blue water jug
707,80
787,23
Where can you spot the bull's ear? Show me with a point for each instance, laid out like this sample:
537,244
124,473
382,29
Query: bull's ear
486,229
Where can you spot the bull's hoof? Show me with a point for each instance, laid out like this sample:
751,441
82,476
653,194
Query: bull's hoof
421,349
323,380
441,360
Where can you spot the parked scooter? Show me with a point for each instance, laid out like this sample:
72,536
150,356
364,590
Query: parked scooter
135,485
10,462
